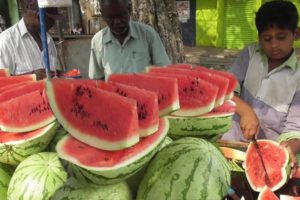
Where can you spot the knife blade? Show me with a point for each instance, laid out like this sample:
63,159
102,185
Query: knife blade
267,179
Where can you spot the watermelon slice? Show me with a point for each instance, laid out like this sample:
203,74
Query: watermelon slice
21,90
108,167
193,96
15,147
4,72
166,89
94,116
10,86
276,160
147,105
267,194
26,113
181,65
4,81
209,126
219,81
232,80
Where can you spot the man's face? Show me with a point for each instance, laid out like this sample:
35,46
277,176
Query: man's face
117,17
277,43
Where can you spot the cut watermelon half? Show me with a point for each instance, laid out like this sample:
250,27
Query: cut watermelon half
147,105
21,90
4,73
218,81
267,194
26,113
94,116
107,167
288,197
166,89
15,147
4,81
193,94
276,160
232,80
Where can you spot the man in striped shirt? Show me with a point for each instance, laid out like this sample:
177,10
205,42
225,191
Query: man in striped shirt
21,45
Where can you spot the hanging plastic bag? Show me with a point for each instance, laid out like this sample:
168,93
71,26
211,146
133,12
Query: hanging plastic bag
54,3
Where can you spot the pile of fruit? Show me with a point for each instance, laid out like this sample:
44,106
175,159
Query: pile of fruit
89,139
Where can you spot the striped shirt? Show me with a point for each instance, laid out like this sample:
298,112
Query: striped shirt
20,53
274,95
142,47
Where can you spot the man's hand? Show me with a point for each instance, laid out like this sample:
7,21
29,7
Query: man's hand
41,74
293,148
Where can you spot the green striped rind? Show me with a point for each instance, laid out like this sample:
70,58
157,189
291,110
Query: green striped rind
14,152
134,181
6,172
59,134
74,190
111,175
201,127
189,168
38,177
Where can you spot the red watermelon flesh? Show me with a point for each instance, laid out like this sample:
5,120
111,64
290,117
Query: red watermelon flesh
227,108
4,73
12,138
4,81
193,94
220,82
25,113
89,157
147,105
267,194
166,89
232,80
276,159
94,116
21,90
10,86
181,65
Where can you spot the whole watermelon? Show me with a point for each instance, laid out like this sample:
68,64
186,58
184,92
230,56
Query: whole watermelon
187,169
74,190
6,172
37,177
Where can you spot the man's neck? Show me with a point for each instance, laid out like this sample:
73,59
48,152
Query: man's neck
121,37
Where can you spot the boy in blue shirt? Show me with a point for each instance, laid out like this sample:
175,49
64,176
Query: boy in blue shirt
268,99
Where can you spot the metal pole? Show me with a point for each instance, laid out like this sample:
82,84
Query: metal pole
44,41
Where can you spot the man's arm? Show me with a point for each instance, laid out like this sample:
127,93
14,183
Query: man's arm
158,52
96,70
6,56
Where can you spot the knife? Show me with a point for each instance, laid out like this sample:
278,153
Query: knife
267,179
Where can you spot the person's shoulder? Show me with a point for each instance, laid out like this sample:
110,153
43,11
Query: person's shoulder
9,33
143,27
99,35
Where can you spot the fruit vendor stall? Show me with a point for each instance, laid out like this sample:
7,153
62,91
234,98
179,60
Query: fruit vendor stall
136,136
144,136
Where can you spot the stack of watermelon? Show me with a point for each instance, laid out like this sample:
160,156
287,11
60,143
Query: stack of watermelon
109,132
204,94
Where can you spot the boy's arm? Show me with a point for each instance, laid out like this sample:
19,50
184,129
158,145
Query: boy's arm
290,136
249,122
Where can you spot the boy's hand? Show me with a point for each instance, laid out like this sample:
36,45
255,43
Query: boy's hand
293,148
249,124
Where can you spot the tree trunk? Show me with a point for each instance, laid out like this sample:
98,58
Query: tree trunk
162,16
